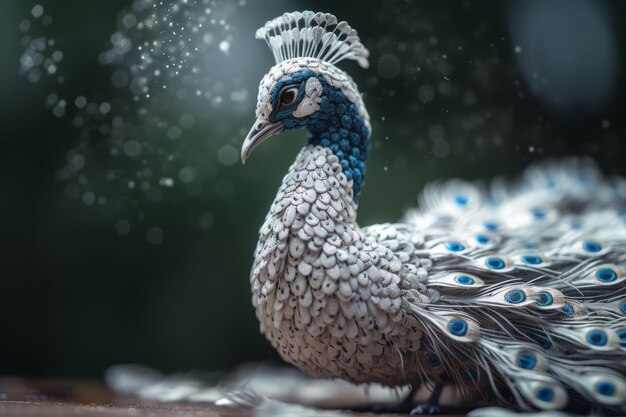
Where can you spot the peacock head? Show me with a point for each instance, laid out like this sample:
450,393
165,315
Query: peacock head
305,90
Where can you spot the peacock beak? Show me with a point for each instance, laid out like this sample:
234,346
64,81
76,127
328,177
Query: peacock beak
261,130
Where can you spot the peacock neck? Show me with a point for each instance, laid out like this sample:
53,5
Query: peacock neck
318,177
342,128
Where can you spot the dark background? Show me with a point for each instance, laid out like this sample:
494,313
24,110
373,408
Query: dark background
159,276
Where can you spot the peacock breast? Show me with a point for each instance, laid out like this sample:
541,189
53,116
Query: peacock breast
330,298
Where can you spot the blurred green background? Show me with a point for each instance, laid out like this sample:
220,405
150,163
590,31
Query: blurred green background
135,244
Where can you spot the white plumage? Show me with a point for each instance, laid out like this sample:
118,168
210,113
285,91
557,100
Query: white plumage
516,287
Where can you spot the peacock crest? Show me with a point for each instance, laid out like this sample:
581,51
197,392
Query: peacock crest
517,287
313,35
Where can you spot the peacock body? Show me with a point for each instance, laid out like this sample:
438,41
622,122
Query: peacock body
514,287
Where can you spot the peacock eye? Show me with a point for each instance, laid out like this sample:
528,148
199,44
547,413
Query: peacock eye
288,96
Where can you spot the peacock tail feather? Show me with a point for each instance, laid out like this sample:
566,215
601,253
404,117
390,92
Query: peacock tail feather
530,281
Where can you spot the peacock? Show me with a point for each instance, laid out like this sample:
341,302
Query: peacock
511,292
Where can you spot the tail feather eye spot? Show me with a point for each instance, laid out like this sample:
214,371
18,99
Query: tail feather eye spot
545,299
622,337
542,340
592,246
526,360
472,374
568,309
622,307
461,199
495,263
464,280
538,214
515,296
606,388
482,239
491,226
606,275
455,247
597,338
433,360
545,394
458,327
532,259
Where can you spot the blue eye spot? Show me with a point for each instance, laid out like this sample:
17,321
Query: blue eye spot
597,338
482,239
622,307
491,226
538,214
592,246
458,327
472,374
568,309
461,199
464,280
545,394
495,263
532,259
545,299
443,218
542,341
526,360
606,388
454,247
515,296
606,275
622,337
433,360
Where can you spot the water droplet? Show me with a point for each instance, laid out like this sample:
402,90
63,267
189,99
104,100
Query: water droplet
89,198
174,132
104,108
436,132
24,25
119,79
187,174
440,148
166,182
227,155
225,47
122,227
80,102
239,95
425,93
37,11
132,148
389,66
155,235
78,162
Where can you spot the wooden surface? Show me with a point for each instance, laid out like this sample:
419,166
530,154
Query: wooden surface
21,397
